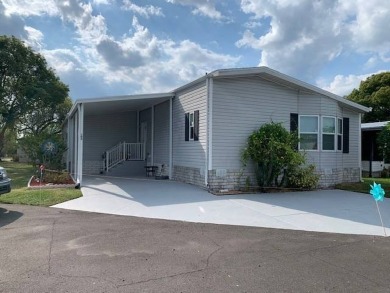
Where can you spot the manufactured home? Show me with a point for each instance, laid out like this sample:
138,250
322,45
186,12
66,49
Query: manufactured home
196,133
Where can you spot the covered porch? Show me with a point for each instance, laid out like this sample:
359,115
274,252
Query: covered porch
119,136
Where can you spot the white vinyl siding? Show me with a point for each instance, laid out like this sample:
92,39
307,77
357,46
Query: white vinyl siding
161,133
190,153
146,116
102,132
241,106
352,159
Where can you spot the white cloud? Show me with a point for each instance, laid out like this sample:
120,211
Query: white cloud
137,62
369,26
297,42
101,2
304,35
65,61
202,7
157,64
343,85
91,28
11,24
34,37
30,7
145,11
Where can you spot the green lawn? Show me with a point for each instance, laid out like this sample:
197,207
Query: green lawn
20,174
364,187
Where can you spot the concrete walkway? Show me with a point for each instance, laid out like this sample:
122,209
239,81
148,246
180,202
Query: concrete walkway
333,211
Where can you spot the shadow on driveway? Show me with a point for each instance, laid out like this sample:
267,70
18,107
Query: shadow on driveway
8,216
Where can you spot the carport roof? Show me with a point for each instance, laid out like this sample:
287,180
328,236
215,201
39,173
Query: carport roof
115,104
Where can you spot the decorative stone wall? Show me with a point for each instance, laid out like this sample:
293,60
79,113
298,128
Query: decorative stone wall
189,175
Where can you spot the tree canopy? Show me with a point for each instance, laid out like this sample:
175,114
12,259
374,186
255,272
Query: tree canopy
27,86
374,92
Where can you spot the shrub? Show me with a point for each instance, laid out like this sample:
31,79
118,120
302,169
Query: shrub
303,177
272,149
277,162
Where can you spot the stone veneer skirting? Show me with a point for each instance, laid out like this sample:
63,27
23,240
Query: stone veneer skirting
188,175
223,179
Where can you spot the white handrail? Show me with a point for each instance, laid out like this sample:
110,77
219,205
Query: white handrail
123,151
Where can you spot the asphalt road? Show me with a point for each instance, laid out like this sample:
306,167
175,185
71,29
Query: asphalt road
54,250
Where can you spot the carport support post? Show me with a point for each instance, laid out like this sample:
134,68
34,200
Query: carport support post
80,143
68,144
152,139
170,137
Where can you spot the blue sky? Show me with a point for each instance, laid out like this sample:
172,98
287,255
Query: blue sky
116,47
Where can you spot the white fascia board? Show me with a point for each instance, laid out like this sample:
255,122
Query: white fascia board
299,83
196,81
118,98
374,125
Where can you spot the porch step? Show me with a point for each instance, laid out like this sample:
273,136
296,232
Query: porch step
128,169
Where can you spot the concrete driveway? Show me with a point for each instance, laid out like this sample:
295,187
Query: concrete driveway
332,211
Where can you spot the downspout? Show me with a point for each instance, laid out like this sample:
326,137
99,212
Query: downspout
209,156
170,137
80,144
360,146
152,139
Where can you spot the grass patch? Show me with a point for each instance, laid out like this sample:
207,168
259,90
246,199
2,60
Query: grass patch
20,174
364,187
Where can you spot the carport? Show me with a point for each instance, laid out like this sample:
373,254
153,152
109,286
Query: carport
333,211
103,133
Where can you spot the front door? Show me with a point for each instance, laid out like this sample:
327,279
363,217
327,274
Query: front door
144,135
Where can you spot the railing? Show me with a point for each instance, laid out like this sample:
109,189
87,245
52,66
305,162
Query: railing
123,151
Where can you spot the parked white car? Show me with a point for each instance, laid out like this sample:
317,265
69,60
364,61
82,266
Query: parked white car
5,182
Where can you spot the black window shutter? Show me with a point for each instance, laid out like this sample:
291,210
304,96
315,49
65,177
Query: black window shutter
196,125
186,126
294,124
346,135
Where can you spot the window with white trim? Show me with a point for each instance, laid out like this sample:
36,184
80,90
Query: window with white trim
191,125
328,133
339,134
308,132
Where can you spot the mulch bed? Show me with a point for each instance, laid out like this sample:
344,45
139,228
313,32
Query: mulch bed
36,183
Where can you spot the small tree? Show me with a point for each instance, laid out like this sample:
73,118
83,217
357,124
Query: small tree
384,142
272,149
26,84
35,148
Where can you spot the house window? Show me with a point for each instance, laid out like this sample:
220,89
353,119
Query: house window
308,132
339,134
328,133
191,126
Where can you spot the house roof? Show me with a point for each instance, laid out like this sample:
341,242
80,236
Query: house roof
276,77
116,103
374,125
